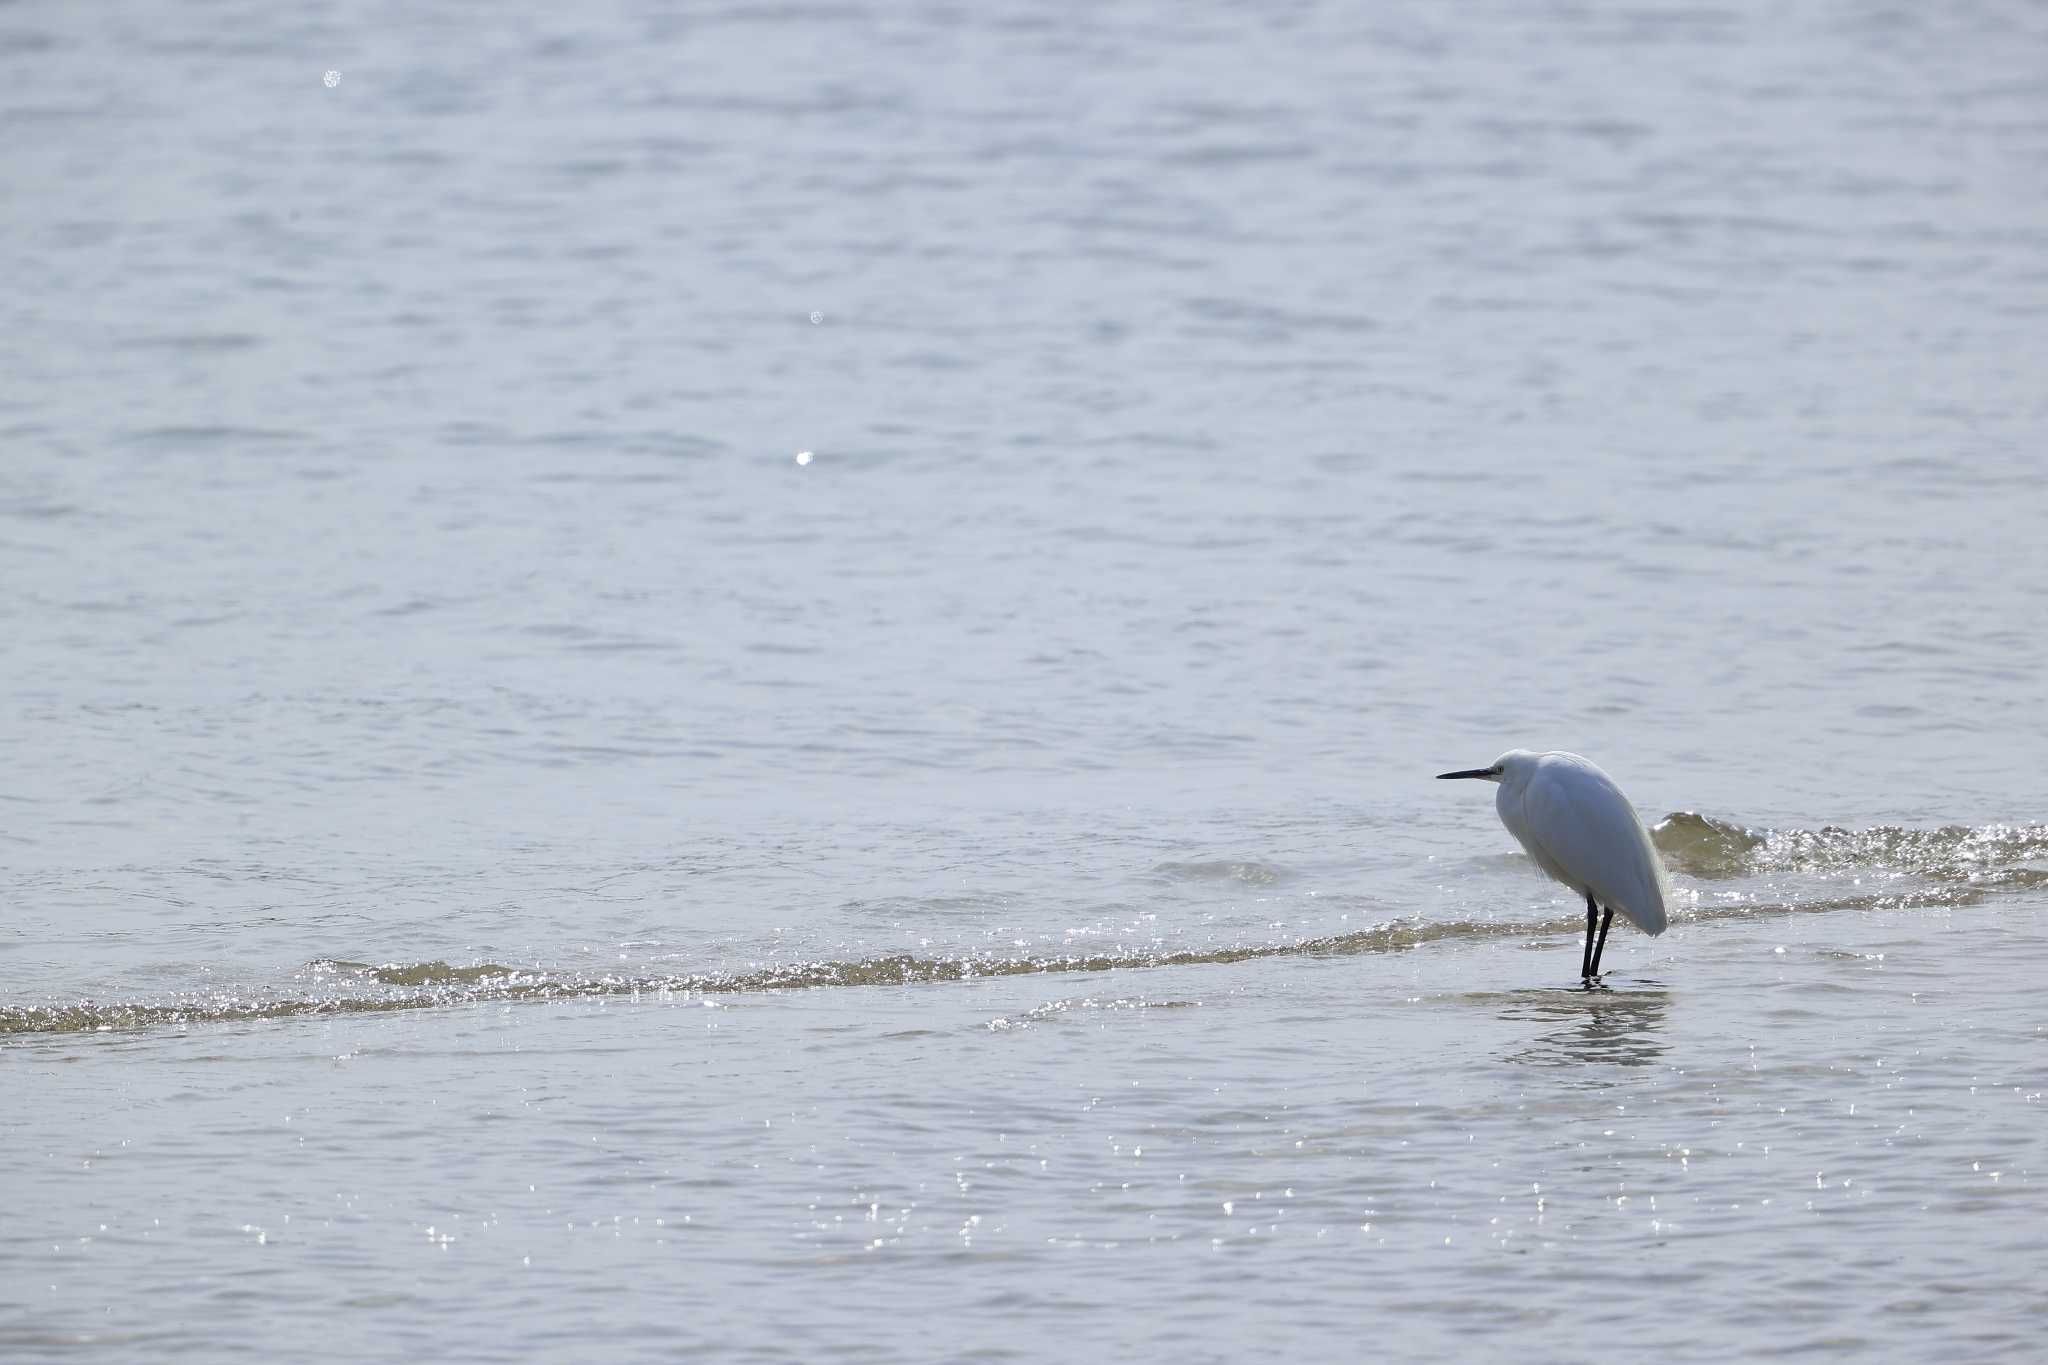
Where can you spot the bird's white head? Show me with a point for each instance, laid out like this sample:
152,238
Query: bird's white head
1513,766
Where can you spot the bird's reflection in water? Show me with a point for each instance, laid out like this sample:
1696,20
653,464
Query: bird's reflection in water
1607,1026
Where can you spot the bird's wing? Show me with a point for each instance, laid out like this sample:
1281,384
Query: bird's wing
1579,821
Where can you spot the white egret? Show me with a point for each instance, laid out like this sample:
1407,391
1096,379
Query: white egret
1583,832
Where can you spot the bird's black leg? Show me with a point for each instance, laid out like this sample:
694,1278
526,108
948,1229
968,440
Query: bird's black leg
1606,918
1586,958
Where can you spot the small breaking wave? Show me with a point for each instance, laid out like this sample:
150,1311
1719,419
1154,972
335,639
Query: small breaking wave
362,989
365,989
1701,846
1947,867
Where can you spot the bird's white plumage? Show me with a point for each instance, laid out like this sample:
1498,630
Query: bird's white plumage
1582,831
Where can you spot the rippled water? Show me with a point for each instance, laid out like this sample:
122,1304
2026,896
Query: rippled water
501,861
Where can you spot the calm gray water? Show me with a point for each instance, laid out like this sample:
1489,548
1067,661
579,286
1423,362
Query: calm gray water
500,861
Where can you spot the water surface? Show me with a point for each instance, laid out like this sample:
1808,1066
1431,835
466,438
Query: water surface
501,861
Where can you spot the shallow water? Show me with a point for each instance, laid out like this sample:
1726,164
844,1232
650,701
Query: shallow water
500,860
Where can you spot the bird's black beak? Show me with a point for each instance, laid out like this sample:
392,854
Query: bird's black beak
1468,772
